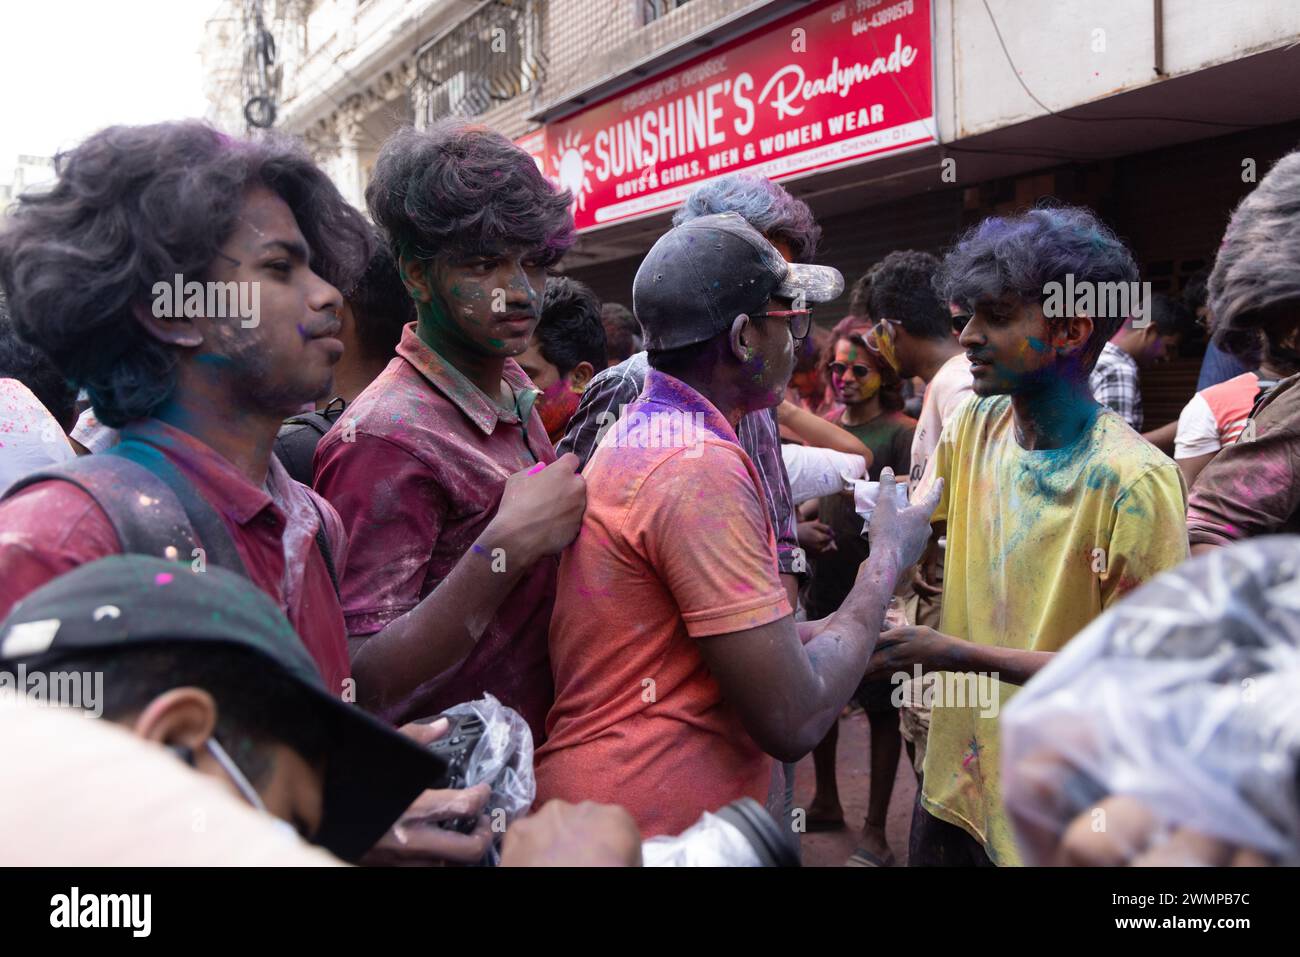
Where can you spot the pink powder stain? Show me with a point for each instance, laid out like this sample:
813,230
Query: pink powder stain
537,468
162,578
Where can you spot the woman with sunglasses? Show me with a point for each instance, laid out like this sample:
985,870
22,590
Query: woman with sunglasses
869,401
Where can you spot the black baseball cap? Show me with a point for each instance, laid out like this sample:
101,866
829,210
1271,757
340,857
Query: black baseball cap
702,274
373,772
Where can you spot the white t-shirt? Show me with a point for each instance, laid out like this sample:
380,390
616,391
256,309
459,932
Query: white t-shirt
815,472
93,434
951,386
1216,416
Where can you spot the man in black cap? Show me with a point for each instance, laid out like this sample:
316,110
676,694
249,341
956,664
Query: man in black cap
206,665
678,664
787,223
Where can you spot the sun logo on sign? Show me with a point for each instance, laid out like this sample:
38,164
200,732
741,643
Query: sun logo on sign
572,166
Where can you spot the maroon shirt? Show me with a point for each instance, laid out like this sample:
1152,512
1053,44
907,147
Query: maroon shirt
54,527
416,467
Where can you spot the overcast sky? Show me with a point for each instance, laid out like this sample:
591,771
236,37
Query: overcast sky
70,67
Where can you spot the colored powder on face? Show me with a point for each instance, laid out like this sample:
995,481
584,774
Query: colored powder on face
162,578
212,359
1038,345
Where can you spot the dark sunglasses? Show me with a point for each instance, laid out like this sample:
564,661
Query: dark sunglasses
859,371
800,320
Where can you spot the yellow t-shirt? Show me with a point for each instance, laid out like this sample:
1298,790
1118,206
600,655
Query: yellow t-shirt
1039,543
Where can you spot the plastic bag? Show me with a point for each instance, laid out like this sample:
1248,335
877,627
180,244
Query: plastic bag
1185,696
503,756
865,495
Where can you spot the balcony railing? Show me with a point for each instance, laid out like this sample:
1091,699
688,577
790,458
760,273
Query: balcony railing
490,57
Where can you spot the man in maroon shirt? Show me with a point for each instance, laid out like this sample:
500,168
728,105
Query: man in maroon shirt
87,267
419,465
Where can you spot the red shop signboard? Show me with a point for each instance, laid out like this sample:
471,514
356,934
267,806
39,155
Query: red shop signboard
836,84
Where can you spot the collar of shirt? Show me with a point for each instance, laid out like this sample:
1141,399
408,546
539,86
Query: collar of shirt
465,395
663,389
216,478
282,500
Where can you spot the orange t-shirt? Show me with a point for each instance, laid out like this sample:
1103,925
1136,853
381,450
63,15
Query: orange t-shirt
676,546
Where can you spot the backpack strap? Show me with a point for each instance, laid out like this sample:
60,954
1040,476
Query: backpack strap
295,445
154,510
323,544
214,537
145,514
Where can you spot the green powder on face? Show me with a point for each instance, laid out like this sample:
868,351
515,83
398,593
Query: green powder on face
432,314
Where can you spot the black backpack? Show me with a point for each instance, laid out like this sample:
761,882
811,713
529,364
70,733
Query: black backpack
153,508
295,445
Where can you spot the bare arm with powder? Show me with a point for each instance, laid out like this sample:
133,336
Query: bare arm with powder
817,432
788,693
899,649
540,512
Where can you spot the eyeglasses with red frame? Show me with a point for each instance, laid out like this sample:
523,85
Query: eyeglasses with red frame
800,320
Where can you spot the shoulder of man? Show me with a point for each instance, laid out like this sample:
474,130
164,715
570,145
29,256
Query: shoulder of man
50,528
402,414
677,480
1129,456
978,411
622,382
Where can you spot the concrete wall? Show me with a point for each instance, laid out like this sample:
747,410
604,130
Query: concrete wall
1070,52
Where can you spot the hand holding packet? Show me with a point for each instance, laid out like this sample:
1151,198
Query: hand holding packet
865,495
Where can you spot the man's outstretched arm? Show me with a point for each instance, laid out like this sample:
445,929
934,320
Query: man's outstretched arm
787,693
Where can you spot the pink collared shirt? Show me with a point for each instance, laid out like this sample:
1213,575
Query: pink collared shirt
416,467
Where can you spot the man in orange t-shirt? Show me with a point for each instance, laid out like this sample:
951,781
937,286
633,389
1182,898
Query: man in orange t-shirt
678,665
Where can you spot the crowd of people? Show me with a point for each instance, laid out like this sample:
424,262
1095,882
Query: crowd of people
426,468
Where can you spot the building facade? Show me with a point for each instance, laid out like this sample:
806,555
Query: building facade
27,172
898,121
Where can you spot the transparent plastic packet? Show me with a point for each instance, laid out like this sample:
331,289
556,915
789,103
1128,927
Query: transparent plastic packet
1184,696
866,494
502,756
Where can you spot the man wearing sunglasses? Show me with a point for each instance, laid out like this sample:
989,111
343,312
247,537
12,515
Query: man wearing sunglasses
678,664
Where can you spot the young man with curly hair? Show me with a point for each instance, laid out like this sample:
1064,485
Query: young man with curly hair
1053,508
420,466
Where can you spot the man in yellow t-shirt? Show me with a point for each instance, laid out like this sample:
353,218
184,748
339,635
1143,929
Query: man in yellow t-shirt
1053,508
